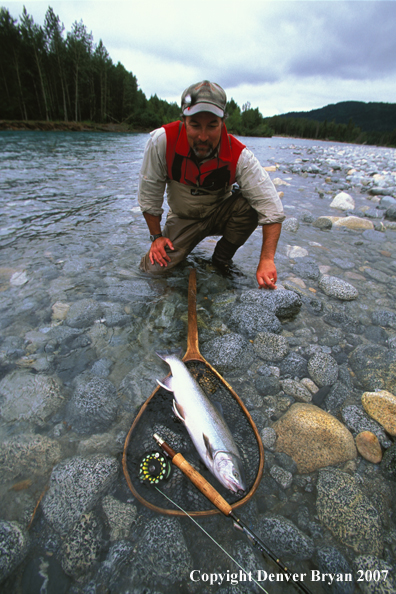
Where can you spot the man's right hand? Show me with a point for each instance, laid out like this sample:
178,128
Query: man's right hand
158,253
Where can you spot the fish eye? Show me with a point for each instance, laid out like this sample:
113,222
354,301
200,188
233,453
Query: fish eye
236,474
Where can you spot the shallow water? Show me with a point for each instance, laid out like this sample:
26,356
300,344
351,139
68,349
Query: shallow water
71,229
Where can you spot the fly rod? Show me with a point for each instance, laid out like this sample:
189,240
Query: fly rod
222,505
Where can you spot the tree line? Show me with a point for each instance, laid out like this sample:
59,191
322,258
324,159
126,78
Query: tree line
49,75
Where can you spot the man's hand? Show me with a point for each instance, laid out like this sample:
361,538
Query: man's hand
158,253
266,274
266,271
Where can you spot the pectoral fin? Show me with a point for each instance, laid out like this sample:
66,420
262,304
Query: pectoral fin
208,446
178,410
167,383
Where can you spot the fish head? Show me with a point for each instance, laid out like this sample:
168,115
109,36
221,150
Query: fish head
228,469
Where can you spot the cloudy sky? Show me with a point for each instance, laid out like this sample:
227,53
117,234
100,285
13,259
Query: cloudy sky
279,55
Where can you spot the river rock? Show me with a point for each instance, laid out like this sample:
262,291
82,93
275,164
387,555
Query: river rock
26,396
313,438
349,515
249,319
384,317
323,223
81,546
84,313
268,437
120,516
93,406
381,406
156,560
328,559
294,365
354,223
282,302
76,485
13,547
358,421
343,201
386,584
267,385
307,268
283,477
284,538
375,367
292,225
27,455
230,352
369,447
388,464
296,251
323,369
338,288
297,390
390,213
270,347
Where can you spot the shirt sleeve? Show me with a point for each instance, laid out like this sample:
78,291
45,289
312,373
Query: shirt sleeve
153,174
258,189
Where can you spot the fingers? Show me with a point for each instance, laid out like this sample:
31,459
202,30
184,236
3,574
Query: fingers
266,275
158,252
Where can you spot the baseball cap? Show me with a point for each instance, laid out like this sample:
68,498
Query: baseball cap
204,96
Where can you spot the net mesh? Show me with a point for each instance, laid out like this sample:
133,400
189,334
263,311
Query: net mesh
158,417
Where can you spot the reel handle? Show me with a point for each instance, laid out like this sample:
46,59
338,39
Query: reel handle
199,481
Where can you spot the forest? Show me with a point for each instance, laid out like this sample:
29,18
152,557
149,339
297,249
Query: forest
49,75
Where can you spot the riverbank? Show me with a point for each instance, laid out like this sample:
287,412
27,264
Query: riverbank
43,126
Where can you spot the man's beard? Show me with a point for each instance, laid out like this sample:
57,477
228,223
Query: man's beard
202,154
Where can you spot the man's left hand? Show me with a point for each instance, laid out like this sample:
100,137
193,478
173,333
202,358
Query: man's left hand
266,274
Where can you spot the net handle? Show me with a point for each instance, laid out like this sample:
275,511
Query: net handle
192,351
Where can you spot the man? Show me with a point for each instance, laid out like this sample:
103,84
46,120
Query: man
198,162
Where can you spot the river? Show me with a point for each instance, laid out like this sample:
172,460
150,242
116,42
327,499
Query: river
72,233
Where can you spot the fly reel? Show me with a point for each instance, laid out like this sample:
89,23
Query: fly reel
154,468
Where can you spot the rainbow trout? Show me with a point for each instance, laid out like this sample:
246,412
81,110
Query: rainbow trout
204,423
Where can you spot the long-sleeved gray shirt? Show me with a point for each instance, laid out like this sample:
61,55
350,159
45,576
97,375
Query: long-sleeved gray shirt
255,183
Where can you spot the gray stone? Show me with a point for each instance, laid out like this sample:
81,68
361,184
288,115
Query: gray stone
29,397
330,560
323,369
283,477
76,485
27,455
13,547
249,319
390,213
388,464
298,391
271,347
338,288
375,367
267,385
294,365
357,421
343,263
374,567
336,397
383,317
290,225
93,406
347,512
373,235
268,437
283,303
323,223
81,546
229,352
284,538
84,313
114,315
307,268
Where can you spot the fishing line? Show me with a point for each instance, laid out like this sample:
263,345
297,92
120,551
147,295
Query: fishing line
211,538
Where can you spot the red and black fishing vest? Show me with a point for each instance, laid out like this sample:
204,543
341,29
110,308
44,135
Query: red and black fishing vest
212,174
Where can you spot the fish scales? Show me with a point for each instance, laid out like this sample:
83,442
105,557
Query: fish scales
205,425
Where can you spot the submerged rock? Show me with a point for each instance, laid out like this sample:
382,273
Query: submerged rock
93,406
271,347
284,538
381,406
323,369
371,565
358,421
81,546
27,456
369,447
83,313
313,438
375,367
13,547
329,560
338,288
76,484
229,353
25,396
343,201
347,512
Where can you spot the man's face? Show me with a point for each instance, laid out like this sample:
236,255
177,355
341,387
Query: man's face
203,133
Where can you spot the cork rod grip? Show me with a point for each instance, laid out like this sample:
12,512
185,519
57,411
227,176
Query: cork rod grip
202,484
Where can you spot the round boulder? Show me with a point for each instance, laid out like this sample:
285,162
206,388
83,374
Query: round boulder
381,406
323,369
338,288
313,438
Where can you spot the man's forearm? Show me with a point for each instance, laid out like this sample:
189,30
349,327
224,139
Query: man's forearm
271,234
153,223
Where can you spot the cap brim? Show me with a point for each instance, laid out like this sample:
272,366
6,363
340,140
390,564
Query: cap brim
198,107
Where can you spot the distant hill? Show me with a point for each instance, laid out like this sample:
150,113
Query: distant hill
369,117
